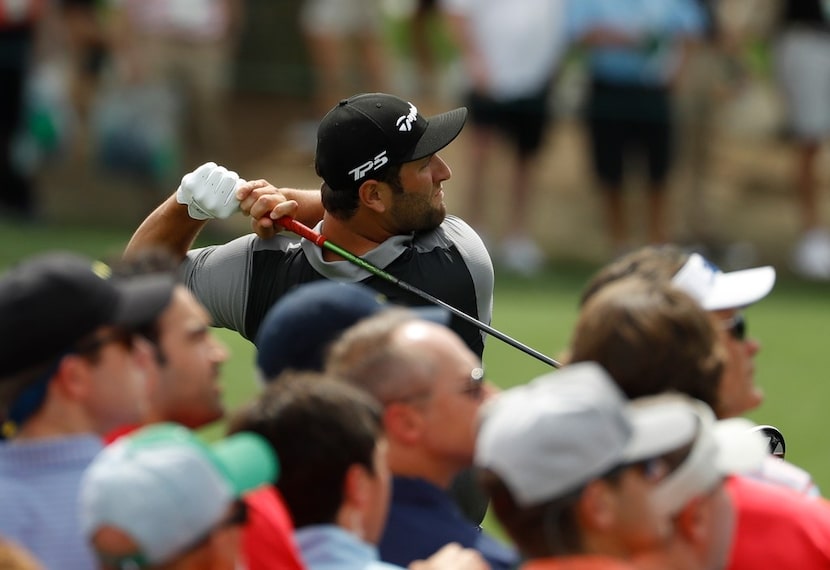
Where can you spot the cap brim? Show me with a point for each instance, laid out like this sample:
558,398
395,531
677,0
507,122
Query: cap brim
441,131
738,289
247,461
143,298
657,429
740,449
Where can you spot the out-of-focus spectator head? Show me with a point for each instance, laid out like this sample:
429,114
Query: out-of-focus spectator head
723,294
570,468
332,450
68,331
299,328
652,338
188,356
430,383
163,498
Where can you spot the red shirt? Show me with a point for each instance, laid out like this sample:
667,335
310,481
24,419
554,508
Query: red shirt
268,537
777,527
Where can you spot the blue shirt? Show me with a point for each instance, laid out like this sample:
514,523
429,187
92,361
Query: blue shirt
423,518
660,24
329,547
39,484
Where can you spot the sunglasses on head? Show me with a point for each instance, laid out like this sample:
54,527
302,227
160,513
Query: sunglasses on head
735,326
475,386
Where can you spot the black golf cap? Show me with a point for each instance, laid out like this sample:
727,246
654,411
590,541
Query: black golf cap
365,134
51,301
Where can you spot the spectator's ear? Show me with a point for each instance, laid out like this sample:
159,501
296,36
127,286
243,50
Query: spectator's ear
358,495
596,507
692,521
403,422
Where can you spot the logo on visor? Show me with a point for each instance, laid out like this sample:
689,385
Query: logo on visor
404,122
360,171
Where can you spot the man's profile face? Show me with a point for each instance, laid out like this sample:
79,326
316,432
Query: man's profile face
420,207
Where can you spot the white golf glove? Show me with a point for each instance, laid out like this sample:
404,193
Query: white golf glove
209,192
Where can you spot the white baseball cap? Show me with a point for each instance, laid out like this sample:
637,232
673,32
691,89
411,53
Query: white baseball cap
548,438
716,290
720,448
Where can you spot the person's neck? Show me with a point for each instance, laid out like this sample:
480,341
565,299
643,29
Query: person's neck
674,555
418,464
358,235
47,424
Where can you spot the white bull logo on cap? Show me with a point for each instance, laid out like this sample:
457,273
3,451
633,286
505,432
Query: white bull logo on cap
404,122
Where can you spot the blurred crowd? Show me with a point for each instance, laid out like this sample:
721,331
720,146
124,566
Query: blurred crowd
375,439
140,89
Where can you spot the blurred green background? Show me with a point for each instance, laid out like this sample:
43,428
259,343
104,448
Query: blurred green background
792,324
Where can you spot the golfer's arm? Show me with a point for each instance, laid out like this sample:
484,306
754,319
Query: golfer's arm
168,227
309,205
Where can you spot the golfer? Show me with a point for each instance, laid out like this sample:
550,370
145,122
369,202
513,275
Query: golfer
382,199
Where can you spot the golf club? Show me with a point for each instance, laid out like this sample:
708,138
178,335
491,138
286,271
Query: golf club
302,230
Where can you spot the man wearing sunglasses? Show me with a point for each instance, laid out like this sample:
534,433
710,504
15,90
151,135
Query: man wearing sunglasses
160,498
71,369
431,386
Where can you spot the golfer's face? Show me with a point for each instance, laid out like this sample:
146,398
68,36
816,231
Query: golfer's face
421,205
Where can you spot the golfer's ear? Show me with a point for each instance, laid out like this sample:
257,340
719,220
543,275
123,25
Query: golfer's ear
374,196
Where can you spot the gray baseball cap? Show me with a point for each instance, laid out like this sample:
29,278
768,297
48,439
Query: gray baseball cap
548,438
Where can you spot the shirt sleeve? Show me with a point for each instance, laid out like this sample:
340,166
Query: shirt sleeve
478,262
219,276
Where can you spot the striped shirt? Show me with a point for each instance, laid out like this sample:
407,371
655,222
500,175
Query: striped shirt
39,484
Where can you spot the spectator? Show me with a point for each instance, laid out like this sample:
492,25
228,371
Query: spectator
510,52
431,386
18,30
802,54
586,481
343,37
185,46
724,295
160,498
393,215
188,358
72,369
635,53
650,310
334,477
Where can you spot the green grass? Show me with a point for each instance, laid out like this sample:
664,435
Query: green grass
792,324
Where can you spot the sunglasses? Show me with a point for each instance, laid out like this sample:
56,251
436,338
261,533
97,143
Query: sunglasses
736,327
475,385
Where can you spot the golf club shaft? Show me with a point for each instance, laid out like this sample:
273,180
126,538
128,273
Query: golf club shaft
301,230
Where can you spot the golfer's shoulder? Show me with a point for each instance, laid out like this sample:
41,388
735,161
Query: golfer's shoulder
453,230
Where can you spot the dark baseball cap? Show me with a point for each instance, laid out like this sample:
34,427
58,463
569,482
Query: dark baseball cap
364,134
298,329
51,301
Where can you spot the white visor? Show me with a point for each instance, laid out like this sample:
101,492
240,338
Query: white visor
716,290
